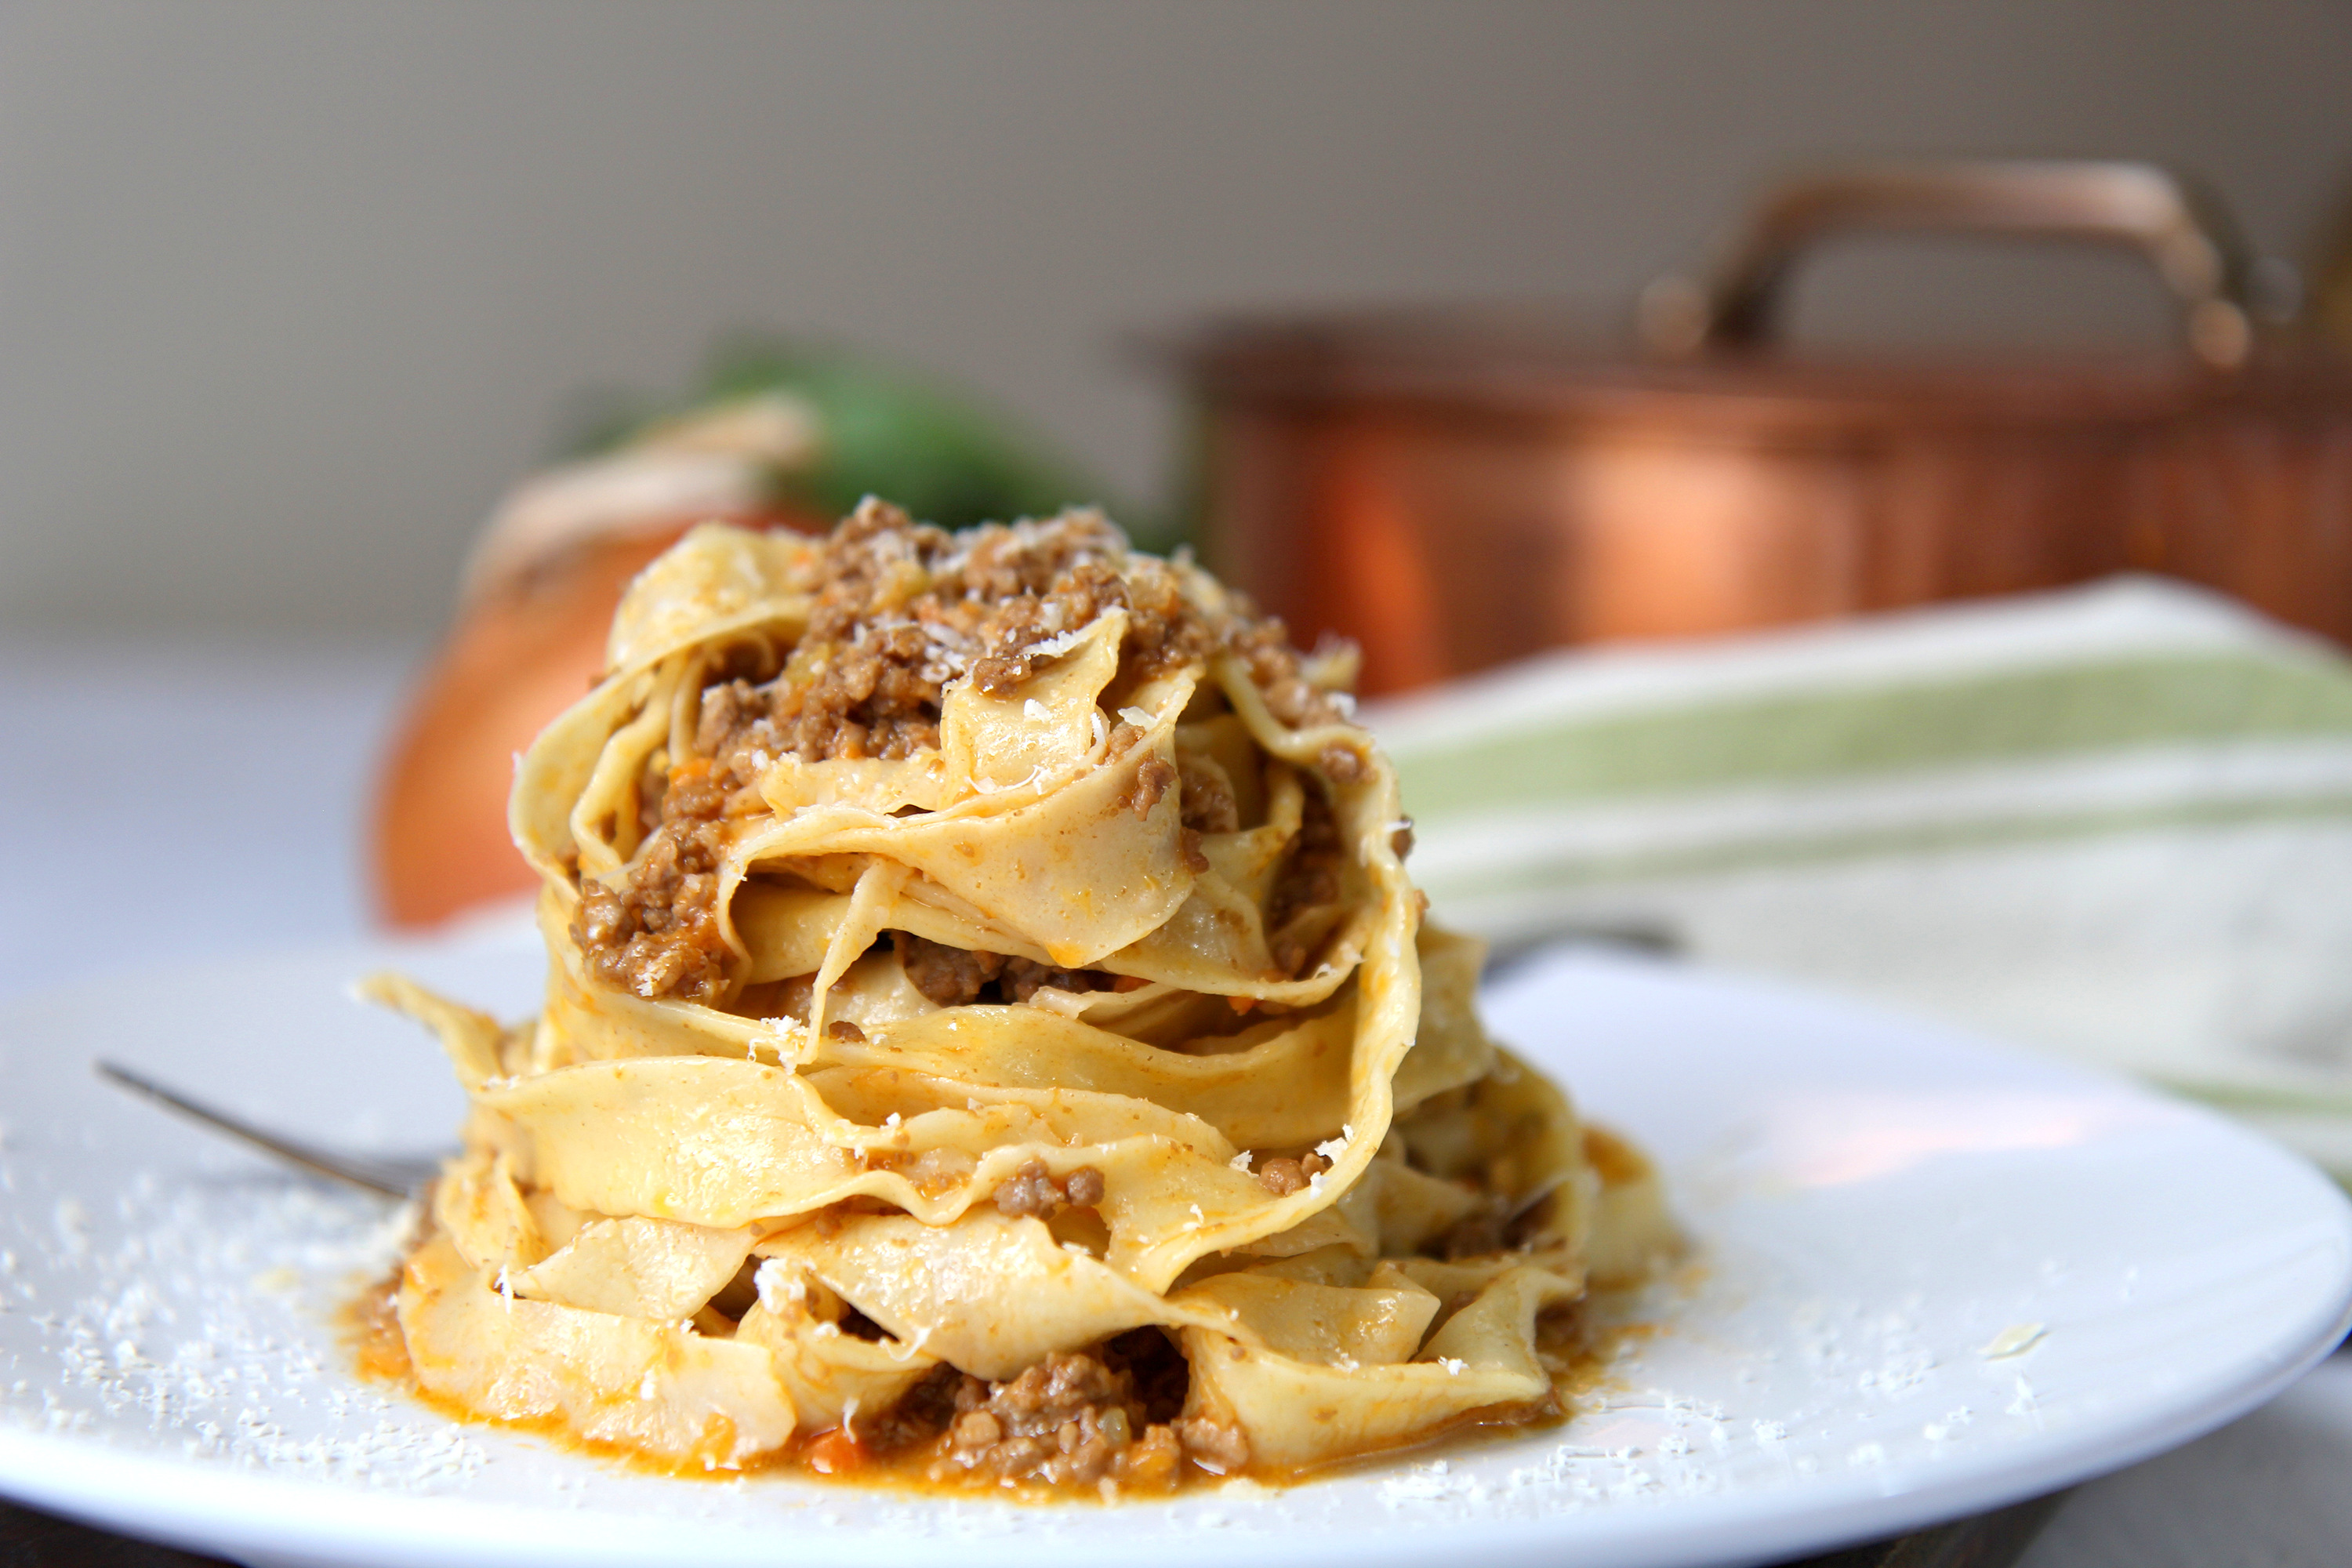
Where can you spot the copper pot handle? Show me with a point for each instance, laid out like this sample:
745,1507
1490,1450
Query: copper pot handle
2193,246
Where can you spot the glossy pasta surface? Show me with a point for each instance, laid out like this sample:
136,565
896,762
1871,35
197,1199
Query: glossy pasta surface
991,1038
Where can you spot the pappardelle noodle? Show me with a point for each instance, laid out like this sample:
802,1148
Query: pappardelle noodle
990,1038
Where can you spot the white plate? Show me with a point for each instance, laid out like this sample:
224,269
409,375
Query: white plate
1877,1201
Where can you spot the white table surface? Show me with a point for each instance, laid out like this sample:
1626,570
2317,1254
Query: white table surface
186,800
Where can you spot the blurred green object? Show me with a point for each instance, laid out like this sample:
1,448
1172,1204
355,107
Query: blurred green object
946,457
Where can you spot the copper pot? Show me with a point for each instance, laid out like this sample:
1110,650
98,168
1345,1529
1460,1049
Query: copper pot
1453,489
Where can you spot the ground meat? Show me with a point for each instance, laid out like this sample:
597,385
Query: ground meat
657,933
955,977
1024,978
921,1414
1151,781
1187,849
1079,1418
1309,879
1497,1225
1284,1176
1208,797
899,613
1024,620
1034,1194
1477,1234
1276,670
1069,1418
1155,1461
1218,1447
950,977
1343,763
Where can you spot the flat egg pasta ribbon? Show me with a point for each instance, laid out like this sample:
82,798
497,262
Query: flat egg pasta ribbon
964,952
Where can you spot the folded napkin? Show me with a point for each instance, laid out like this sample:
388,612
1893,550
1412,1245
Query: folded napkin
2115,822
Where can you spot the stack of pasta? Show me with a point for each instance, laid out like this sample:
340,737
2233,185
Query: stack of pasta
990,1037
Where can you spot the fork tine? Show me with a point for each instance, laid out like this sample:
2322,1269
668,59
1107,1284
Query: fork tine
393,1178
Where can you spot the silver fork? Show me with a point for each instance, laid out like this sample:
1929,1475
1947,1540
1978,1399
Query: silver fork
391,1175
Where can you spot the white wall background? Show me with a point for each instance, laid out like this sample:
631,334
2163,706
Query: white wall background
289,291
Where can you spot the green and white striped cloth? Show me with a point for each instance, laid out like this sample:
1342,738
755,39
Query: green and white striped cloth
2115,822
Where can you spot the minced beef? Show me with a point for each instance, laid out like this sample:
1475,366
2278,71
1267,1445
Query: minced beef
958,977
1069,1418
657,934
1308,880
1081,1417
1283,1175
1207,795
1151,781
1477,1234
921,1414
1497,1225
903,611
948,976
899,613
1034,1194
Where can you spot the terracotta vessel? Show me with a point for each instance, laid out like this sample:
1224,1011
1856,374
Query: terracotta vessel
1455,488
521,653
